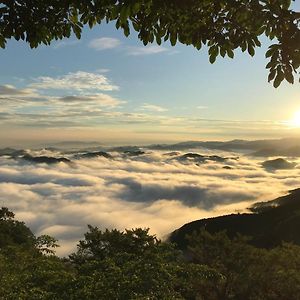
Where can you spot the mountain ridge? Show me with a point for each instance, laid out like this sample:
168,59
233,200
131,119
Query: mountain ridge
268,224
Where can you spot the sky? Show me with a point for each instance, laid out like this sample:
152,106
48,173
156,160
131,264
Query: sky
111,89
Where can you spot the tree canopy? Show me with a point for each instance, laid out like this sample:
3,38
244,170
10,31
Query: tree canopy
222,25
133,264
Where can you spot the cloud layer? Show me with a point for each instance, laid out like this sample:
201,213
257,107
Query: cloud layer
148,190
90,103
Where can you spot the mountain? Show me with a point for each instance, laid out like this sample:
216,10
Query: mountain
94,155
134,152
11,152
269,224
45,159
214,145
278,164
281,151
263,148
125,149
198,158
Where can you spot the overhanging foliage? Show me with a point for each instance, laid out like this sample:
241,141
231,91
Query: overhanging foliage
222,25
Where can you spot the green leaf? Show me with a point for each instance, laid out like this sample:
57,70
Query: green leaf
244,46
230,53
212,59
271,75
136,7
257,42
2,43
289,77
222,52
271,51
173,38
136,26
126,30
279,78
270,65
251,50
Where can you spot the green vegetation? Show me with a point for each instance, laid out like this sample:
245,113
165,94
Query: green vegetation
223,26
136,265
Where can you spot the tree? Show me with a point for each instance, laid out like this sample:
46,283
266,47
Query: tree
248,272
13,232
124,265
222,25
31,275
26,272
133,265
16,233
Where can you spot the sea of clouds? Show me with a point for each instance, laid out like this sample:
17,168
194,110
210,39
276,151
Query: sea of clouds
155,190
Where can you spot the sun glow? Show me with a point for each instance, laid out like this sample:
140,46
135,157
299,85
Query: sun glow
295,121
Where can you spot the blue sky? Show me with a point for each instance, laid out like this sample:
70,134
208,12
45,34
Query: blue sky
136,93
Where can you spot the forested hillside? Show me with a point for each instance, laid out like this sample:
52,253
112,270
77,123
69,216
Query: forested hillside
269,224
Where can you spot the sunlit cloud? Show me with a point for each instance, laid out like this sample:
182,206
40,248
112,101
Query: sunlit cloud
104,43
152,190
99,99
83,100
10,90
152,107
76,81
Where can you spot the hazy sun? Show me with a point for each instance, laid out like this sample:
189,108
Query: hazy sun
295,121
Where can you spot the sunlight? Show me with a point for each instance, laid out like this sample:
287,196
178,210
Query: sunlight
295,121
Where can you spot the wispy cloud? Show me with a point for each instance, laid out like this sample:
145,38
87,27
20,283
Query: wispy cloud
99,99
63,44
78,81
104,43
151,107
103,70
79,99
146,50
10,90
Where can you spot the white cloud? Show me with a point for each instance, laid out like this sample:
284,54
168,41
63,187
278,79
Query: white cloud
153,190
146,50
104,43
78,81
151,107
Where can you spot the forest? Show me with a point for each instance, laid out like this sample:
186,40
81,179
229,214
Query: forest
133,264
